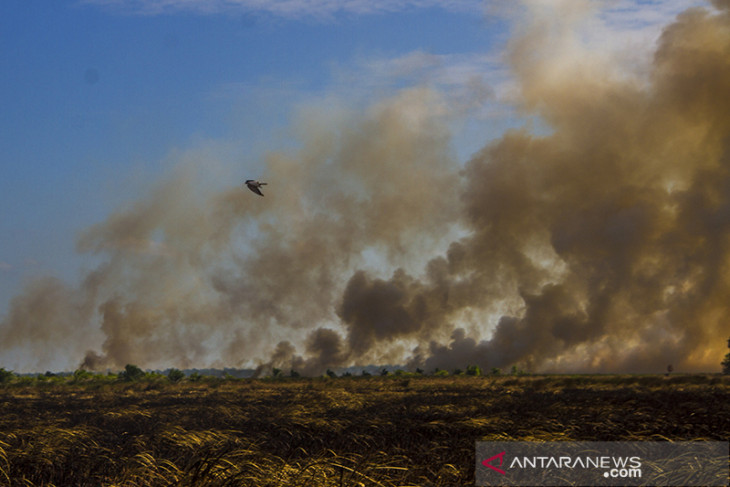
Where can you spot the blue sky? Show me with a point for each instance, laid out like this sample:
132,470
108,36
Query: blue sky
95,97
100,97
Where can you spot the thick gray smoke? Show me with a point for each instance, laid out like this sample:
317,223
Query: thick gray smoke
601,245
612,231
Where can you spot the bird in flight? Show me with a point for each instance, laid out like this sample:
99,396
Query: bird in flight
255,186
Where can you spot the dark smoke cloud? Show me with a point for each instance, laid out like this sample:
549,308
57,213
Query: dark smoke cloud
601,245
612,232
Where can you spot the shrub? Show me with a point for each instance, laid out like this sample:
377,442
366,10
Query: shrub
517,371
175,375
131,373
81,375
6,375
473,370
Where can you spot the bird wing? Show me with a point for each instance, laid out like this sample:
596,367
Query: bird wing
255,189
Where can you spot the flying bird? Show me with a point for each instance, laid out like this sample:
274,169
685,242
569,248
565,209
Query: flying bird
254,186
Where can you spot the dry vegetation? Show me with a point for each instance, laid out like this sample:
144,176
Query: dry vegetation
369,431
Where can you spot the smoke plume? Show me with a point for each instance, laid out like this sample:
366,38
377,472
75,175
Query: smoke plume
600,242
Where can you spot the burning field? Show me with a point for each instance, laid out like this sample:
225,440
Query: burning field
356,431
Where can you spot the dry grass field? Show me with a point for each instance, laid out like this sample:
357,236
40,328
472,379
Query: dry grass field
357,431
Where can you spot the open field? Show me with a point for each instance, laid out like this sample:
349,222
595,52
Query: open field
372,431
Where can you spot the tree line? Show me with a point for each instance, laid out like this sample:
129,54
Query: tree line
133,373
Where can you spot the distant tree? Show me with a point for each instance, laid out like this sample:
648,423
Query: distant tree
365,373
154,376
440,373
195,377
457,372
331,374
670,369
276,372
517,371
175,375
419,371
6,375
726,361
294,373
82,375
131,373
496,371
473,370
384,372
